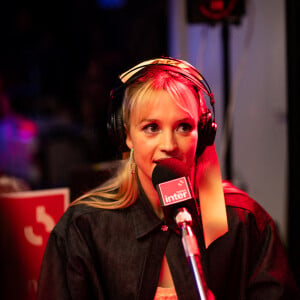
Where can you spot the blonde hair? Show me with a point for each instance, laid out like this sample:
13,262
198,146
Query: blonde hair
118,192
122,190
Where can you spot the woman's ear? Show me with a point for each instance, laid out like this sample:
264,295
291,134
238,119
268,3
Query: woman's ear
128,138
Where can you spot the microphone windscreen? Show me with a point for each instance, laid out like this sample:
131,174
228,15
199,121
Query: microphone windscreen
169,169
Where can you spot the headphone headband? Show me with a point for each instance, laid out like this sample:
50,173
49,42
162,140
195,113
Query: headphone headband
179,66
168,61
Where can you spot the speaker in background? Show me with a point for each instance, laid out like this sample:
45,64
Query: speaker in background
215,11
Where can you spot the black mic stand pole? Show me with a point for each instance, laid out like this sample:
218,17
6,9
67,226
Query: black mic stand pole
192,253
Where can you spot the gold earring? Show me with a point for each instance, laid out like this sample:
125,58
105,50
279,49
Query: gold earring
132,162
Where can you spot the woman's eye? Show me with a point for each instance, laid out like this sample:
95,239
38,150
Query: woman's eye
185,127
151,128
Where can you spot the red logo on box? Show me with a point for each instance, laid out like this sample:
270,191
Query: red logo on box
174,191
26,220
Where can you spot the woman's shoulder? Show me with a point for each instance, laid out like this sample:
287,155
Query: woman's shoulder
238,198
80,216
239,203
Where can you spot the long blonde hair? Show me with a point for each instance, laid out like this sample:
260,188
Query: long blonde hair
122,189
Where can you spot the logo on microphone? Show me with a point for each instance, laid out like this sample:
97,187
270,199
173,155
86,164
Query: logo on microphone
174,191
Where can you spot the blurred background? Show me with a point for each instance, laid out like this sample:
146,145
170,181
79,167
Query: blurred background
60,59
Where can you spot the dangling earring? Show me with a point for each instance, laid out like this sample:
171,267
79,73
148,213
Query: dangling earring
132,162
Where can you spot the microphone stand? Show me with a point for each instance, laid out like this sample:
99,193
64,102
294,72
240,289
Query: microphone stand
192,253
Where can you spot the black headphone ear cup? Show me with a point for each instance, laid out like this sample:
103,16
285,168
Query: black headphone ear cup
116,132
207,129
115,124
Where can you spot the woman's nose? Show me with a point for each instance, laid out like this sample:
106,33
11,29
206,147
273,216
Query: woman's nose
168,141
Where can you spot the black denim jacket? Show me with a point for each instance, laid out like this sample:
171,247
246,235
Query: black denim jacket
117,254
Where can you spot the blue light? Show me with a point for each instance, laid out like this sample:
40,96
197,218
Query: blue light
110,4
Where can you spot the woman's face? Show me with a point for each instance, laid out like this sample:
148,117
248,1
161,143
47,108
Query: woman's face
162,130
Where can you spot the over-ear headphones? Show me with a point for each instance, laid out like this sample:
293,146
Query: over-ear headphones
207,126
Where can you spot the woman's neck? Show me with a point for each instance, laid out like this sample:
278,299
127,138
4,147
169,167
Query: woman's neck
152,196
154,201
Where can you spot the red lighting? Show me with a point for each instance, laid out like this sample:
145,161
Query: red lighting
217,5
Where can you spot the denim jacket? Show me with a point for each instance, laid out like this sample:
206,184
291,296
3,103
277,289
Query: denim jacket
117,254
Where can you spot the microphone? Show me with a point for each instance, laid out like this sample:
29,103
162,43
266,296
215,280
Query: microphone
170,178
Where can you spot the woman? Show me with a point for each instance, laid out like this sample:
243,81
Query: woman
113,243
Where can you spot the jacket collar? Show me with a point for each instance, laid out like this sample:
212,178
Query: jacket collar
143,217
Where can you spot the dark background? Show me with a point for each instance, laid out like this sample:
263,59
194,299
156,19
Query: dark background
58,62
293,64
